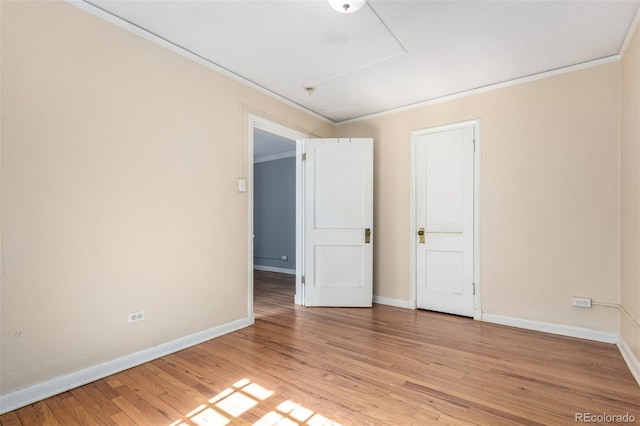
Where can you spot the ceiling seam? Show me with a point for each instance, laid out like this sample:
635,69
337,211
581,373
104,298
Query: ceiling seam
384,24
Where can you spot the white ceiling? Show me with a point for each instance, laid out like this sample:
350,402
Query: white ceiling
389,54
267,144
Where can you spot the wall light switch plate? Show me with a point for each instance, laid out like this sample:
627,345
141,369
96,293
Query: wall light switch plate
242,185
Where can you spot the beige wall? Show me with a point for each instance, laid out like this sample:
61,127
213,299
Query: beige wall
119,192
630,196
550,192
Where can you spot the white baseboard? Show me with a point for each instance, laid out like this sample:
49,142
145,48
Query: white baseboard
393,302
632,362
563,330
274,269
26,396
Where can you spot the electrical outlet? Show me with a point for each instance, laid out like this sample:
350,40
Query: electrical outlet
136,316
582,302
285,257
242,185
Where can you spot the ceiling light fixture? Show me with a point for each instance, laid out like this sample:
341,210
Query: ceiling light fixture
347,6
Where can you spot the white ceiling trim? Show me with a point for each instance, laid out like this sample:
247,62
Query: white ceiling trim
107,16
632,30
489,88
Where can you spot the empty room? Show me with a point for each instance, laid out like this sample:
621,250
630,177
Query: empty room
319,212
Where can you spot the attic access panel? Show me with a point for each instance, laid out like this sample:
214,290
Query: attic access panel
262,40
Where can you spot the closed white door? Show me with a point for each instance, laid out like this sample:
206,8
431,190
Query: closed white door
338,222
444,220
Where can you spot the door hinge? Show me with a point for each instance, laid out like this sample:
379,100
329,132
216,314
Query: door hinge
304,155
303,279
474,145
474,288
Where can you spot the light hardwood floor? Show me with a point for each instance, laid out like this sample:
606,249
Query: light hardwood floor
379,366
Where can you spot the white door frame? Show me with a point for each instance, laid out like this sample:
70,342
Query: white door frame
257,122
476,124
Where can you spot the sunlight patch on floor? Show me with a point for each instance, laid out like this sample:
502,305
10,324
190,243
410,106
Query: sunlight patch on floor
243,396
290,413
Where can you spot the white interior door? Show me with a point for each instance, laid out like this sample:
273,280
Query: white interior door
338,222
444,217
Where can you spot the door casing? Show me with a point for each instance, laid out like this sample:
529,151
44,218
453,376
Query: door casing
476,124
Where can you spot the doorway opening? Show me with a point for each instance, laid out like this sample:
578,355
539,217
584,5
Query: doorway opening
274,241
274,203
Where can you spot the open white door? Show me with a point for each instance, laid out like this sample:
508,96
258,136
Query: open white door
338,222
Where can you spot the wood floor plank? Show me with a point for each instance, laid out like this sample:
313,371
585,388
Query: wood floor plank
28,415
164,371
353,366
10,419
45,416
81,413
121,419
134,413
60,410
94,402
163,408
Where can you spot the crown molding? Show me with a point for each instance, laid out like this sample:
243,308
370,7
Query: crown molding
632,30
